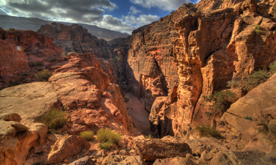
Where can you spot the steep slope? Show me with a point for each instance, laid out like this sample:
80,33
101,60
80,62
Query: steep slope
217,41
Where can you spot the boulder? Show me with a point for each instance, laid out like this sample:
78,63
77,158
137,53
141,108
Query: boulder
66,147
17,139
158,149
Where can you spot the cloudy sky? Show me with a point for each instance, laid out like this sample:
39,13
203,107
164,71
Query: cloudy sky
118,15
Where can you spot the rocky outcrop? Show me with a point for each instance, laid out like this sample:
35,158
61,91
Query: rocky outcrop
23,54
17,139
31,101
66,147
90,96
251,118
75,38
151,150
217,42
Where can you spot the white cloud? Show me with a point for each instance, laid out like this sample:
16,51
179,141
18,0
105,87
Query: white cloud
167,5
141,20
74,11
133,10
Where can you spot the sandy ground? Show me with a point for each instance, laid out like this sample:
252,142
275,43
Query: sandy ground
139,115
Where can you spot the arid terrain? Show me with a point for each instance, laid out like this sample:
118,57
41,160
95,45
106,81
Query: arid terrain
196,87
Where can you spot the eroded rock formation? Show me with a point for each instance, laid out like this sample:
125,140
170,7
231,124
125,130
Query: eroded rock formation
24,53
216,44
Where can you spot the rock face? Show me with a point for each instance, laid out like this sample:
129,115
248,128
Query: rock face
17,139
90,96
157,149
250,116
217,42
75,38
23,53
66,147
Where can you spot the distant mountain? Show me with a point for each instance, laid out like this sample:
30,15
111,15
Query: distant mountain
34,24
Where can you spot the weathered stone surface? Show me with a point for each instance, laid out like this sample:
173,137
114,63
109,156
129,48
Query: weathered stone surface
75,38
11,117
173,161
243,157
17,139
66,147
238,116
120,160
158,149
31,101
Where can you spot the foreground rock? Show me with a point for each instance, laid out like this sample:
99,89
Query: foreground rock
31,101
119,159
17,139
245,158
252,117
173,161
157,149
66,147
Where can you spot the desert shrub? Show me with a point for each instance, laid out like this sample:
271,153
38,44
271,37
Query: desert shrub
148,136
274,11
205,130
272,68
43,75
54,119
185,132
249,118
220,101
88,135
105,145
258,29
256,78
106,137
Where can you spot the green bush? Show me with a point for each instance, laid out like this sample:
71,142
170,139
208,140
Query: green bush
258,29
148,136
106,137
105,145
54,119
272,68
205,130
88,135
220,101
43,75
249,118
256,78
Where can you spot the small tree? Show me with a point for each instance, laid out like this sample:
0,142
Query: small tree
220,99
256,78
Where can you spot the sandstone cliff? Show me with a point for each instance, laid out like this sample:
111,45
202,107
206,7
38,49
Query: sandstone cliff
217,42
21,52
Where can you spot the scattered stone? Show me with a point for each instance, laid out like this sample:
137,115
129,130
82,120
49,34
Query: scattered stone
119,159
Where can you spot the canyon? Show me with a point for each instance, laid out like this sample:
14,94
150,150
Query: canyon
151,87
